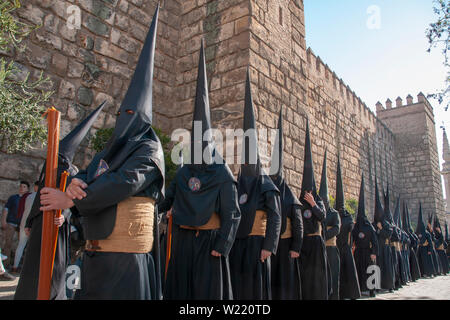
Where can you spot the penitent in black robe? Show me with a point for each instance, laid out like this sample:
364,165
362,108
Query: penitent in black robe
424,254
193,273
349,284
440,249
366,244
413,261
333,225
251,278
286,280
134,172
313,257
384,260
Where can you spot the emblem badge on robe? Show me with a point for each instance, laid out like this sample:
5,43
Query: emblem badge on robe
102,167
361,235
243,198
194,184
420,236
307,214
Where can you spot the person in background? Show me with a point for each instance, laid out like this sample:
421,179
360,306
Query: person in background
11,220
24,233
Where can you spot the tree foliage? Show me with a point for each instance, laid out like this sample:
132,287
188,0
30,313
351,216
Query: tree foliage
21,100
438,35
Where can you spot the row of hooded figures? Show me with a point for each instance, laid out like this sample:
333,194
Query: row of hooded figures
244,238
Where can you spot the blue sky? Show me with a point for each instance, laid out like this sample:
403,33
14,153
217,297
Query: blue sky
379,48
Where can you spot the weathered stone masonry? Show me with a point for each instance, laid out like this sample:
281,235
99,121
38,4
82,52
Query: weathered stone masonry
95,62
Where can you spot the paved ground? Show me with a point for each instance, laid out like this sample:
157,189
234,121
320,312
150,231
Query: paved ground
424,289
437,288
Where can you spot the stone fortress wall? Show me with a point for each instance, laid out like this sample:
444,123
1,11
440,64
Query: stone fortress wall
95,63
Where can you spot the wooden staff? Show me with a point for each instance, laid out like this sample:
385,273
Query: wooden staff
169,243
46,261
62,187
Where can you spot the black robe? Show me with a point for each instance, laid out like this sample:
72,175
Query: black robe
333,225
193,273
405,256
313,257
366,244
27,286
424,255
135,171
413,262
385,259
440,249
251,278
434,256
349,284
286,279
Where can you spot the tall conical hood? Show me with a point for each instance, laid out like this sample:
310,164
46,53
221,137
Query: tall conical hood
201,115
323,191
436,223
277,154
361,217
340,199
387,207
308,181
397,219
446,233
420,229
70,143
251,165
135,113
408,219
379,212
405,226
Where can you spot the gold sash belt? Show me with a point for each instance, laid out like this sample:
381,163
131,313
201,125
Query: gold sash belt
441,247
331,242
133,230
318,233
212,224
288,232
425,244
259,224
386,242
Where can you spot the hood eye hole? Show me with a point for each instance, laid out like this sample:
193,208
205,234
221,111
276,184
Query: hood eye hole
118,113
129,111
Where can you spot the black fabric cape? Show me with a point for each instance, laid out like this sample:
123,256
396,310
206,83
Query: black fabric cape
349,284
441,253
333,226
286,280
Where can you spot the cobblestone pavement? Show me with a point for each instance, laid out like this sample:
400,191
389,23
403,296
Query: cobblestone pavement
424,289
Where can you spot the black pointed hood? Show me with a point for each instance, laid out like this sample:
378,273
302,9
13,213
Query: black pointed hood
287,197
397,219
71,142
420,229
135,113
405,226
308,181
436,224
361,217
251,166
202,116
340,198
446,233
408,219
387,208
379,212
277,161
323,191
67,148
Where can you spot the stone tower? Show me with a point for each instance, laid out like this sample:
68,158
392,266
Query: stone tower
416,149
446,170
